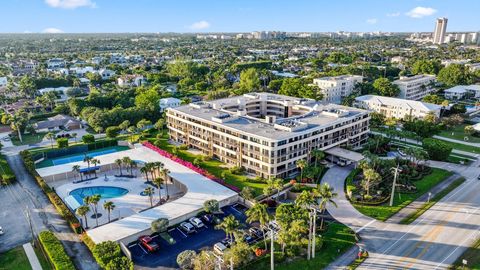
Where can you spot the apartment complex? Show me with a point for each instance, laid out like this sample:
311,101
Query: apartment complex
266,133
336,88
396,107
463,91
440,31
415,87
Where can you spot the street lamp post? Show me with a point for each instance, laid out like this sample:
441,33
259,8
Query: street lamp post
272,264
396,171
314,231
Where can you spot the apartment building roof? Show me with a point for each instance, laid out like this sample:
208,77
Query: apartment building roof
307,114
339,78
413,78
390,101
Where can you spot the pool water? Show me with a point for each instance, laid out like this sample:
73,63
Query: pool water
80,156
104,192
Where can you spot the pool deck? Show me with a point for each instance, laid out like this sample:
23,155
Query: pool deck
199,190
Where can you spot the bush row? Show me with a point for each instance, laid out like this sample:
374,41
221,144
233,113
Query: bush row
52,196
6,174
55,251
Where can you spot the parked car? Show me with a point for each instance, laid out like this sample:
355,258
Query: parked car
249,239
196,222
208,218
274,225
187,227
227,242
219,248
254,231
148,243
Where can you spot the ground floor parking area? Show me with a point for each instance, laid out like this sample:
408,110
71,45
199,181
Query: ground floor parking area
204,238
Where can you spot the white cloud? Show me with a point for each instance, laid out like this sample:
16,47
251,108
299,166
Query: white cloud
420,12
52,30
394,14
201,25
372,21
70,4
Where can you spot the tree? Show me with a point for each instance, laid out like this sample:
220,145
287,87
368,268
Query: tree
385,88
305,199
124,125
159,124
239,253
75,170
119,163
299,87
185,259
327,196
83,212
424,66
164,173
301,164
469,130
159,225
455,74
258,213
149,192
148,100
436,149
211,206
120,263
158,181
105,252
204,261
27,86
62,142
229,225
95,162
247,193
249,81
88,138
112,132
370,177
109,206
50,136
434,99
93,200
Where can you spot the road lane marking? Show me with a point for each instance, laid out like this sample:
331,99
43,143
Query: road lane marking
366,225
182,233
451,253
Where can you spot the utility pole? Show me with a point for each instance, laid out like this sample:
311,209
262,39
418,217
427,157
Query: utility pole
309,236
314,231
272,264
395,171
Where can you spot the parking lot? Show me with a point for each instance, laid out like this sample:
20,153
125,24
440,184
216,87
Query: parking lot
166,256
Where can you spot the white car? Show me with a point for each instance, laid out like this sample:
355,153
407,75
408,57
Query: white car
187,227
219,248
196,222
1,230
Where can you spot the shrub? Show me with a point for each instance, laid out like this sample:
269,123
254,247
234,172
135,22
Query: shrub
88,138
105,252
120,263
6,174
185,259
112,132
436,149
62,142
55,251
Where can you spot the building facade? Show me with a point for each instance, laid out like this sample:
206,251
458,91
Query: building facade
415,87
334,89
440,31
165,103
463,91
396,107
266,133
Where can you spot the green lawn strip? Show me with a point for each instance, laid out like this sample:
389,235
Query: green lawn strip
459,134
29,139
384,211
216,168
453,158
167,237
42,257
14,259
336,240
412,217
463,147
472,255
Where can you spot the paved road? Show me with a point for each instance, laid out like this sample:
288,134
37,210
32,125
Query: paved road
25,194
433,241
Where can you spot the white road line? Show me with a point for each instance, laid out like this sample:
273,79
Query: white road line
366,225
466,239
132,245
143,249
182,233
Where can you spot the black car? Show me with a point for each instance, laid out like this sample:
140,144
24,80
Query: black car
208,218
254,231
227,242
249,239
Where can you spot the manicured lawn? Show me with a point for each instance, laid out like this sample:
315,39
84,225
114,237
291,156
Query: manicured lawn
216,168
459,134
463,147
384,211
472,255
454,158
28,139
336,240
14,259
46,265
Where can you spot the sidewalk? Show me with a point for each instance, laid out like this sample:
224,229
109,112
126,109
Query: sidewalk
456,141
32,257
418,203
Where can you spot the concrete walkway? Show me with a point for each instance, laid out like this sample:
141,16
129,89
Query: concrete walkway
32,257
456,141
420,201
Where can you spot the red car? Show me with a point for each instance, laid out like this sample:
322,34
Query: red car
148,243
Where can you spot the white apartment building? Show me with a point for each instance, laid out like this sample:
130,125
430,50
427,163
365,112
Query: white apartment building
165,103
396,107
266,133
336,88
463,91
415,87
440,31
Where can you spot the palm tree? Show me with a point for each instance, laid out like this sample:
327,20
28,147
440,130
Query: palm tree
149,191
305,199
144,170
88,160
278,185
94,199
132,164
95,162
165,172
119,164
319,155
229,225
158,181
301,164
109,206
258,213
370,176
326,194
83,211
74,136
126,161
50,136
76,169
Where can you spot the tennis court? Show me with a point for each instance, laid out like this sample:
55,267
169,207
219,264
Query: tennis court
80,156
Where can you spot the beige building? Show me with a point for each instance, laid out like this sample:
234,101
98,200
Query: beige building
415,87
396,107
334,89
266,133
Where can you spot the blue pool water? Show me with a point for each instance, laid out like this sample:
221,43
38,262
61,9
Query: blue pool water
105,192
80,157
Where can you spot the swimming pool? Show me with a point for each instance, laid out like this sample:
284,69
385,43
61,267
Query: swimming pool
104,192
80,156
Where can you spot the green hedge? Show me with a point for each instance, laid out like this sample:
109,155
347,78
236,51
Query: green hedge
52,196
55,251
6,174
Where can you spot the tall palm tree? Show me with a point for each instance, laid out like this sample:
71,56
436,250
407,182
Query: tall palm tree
119,164
50,136
165,172
94,199
75,170
319,155
144,170
133,165
159,181
109,206
278,185
95,162
258,213
149,191
83,211
370,176
126,161
301,164
229,225
326,194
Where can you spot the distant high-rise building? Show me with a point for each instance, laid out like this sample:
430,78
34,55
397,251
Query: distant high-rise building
440,30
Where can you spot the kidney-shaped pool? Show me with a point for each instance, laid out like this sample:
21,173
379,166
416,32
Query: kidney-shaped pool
104,192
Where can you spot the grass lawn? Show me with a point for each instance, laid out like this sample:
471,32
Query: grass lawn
46,265
464,147
472,255
458,134
29,139
216,168
336,240
454,157
383,212
14,259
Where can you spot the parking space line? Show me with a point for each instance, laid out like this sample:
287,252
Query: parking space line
143,249
155,236
182,233
233,208
132,245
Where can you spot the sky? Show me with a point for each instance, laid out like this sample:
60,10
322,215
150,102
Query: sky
121,16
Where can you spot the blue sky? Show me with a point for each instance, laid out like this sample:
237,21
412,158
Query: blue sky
74,16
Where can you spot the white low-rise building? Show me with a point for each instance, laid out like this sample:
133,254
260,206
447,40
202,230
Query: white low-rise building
463,91
396,107
338,87
106,73
166,103
415,87
131,81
